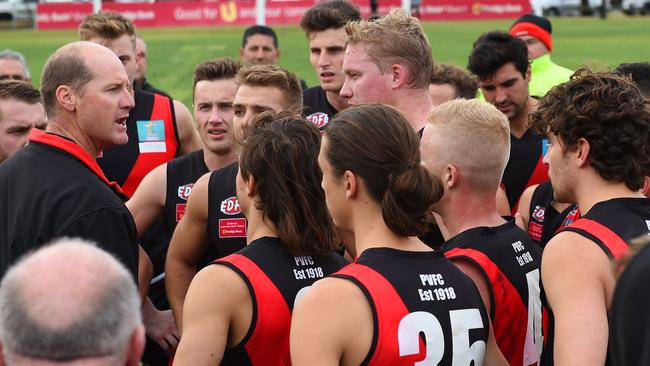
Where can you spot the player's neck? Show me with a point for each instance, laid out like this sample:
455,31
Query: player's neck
336,100
518,124
415,105
370,231
467,211
258,227
595,190
218,161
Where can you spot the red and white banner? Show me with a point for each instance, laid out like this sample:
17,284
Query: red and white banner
197,13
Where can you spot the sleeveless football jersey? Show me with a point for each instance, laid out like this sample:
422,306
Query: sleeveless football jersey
510,263
275,279
525,167
424,308
226,223
611,225
153,140
544,220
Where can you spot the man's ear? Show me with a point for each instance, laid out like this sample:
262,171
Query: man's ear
251,186
136,347
399,75
241,52
66,97
528,73
351,184
451,176
582,152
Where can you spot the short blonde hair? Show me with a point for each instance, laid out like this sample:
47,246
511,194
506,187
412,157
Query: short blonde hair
106,25
475,137
396,38
276,77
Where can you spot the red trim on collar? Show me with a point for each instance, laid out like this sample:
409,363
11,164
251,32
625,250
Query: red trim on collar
74,150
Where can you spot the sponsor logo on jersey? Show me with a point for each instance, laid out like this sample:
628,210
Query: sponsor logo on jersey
184,191
232,228
538,213
545,144
647,222
319,119
180,211
230,206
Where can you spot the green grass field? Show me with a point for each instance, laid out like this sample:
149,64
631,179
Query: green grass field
173,52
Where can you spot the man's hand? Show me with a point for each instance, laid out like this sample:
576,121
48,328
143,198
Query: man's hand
160,326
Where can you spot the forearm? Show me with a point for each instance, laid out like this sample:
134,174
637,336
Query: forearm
179,275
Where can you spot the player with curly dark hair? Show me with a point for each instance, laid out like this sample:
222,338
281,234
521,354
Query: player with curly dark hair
598,125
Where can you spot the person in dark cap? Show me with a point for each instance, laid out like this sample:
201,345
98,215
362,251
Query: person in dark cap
536,32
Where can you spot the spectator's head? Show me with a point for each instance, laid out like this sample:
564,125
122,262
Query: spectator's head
598,126
324,25
115,32
13,66
70,303
20,110
449,82
536,32
259,46
213,93
384,57
500,63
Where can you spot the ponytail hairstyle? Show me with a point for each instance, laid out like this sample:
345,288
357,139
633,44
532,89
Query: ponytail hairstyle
281,152
376,142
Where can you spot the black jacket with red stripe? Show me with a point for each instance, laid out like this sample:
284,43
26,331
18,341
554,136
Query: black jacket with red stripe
153,140
544,220
510,263
275,279
423,308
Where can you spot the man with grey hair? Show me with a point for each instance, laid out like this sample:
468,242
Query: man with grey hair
13,66
70,303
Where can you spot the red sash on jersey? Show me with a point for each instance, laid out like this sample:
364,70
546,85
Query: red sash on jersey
540,175
268,344
75,150
389,309
613,245
146,162
509,313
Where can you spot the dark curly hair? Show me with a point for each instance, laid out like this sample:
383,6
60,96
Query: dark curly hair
609,112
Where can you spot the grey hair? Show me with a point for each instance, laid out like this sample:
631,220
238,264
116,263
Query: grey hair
105,330
14,55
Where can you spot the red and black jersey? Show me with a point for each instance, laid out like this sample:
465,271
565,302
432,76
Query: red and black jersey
611,225
275,279
510,263
629,319
181,175
316,107
153,140
423,308
226,223
544,220
525,167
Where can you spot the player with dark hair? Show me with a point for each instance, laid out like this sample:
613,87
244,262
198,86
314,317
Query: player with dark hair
324,26
398,289
21,110
500,63
238,311
213,216
599,154
259,46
